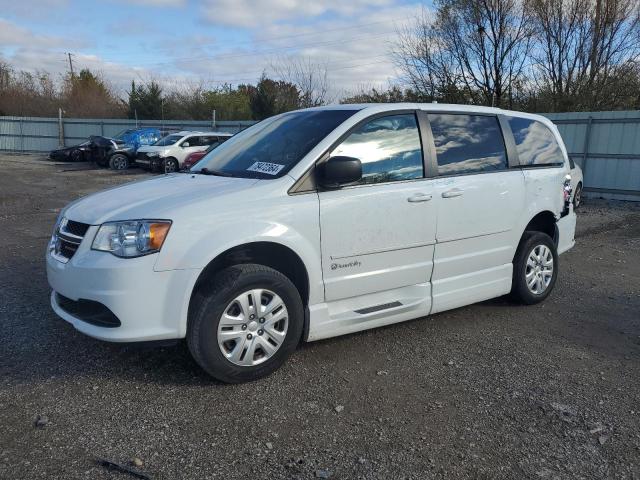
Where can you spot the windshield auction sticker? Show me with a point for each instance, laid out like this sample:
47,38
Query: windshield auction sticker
266,167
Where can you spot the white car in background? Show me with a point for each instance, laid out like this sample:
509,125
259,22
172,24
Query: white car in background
169,152
576,183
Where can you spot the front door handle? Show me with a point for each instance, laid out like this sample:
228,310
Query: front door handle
454,192
419,197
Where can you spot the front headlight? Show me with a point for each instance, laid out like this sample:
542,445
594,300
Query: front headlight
132,238
56,227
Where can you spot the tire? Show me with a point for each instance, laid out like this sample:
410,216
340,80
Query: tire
577,196
118,161
231,362
170,165
77,156
524,271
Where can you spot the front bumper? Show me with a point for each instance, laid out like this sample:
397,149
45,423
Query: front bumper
149,163
149,305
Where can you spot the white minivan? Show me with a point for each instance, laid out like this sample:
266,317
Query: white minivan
317,223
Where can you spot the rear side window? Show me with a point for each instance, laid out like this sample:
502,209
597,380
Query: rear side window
192,141
467,143
536,144
388,147
208,140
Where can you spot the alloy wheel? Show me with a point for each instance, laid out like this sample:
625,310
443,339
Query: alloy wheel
577,197
170,166
119,162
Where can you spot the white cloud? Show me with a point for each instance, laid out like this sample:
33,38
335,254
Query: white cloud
354,47
13,35
156,3
33,8
254,13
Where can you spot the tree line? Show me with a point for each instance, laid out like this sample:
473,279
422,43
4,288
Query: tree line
530,55
533,55
300,84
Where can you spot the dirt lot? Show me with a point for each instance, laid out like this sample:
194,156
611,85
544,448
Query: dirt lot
494,390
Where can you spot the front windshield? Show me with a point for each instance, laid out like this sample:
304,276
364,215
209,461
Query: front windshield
168,140
270,149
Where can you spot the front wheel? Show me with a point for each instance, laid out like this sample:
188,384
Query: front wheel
244,323
171,165
119,162
535,268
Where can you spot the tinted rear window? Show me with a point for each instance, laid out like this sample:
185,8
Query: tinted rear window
536,144
467,143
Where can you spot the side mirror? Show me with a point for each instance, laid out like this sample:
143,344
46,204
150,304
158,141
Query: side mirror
185,144
339,171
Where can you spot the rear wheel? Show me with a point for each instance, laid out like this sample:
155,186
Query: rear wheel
577,196
119,162
244,323
535,268
77,156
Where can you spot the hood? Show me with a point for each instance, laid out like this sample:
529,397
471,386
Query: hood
157,197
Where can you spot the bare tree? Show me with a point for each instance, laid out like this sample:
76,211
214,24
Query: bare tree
311,79
425,63
476,49
583,46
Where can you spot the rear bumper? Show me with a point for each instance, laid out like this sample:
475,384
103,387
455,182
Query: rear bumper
566,232
148,305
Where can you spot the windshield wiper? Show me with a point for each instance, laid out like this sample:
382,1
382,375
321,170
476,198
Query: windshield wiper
217,173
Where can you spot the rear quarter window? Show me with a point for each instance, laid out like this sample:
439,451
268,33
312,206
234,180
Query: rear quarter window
535,143
467,144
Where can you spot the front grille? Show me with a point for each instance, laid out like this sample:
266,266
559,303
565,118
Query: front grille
69,237
88,311
66,249
76,228
141,156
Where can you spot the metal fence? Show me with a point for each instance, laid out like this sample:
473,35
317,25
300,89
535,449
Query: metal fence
39,134
605,144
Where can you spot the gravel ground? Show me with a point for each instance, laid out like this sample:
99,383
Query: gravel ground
493,390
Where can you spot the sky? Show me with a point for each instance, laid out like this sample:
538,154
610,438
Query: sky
208,41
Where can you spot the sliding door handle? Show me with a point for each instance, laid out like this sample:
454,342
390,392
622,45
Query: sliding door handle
419,197
454,192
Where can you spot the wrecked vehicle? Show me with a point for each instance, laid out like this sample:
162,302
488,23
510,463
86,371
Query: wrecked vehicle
120,151
75,153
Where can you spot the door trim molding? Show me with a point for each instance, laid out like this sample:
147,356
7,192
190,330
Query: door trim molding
374,252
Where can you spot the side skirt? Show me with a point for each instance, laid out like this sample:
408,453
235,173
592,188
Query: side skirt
364,312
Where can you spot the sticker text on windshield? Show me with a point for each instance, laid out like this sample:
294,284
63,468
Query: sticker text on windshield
266,167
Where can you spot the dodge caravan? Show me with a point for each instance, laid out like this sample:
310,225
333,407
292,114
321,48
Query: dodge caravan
317,223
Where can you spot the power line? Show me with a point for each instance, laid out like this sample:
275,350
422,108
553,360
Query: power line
249,79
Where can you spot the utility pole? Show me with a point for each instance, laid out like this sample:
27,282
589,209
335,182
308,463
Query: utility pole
70,63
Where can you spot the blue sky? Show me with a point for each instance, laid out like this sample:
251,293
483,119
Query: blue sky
205,41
